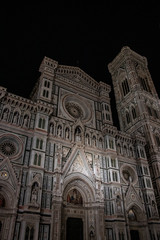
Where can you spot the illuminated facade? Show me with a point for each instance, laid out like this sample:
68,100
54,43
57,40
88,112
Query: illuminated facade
66,172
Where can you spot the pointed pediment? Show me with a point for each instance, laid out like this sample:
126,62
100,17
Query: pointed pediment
7,174
77,163
132,198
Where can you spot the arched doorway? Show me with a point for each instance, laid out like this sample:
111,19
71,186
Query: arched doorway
137,223
74,229
79,209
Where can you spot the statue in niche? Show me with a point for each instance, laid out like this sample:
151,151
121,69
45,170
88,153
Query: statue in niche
34,193
58,155
67,133
15,117
5,114
25,122
74,197
51,128
78,134
59,131
118,202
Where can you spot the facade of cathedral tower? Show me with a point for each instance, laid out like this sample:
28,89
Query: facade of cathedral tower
66,172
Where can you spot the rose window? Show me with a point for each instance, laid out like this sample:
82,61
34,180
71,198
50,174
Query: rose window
7,148
74,110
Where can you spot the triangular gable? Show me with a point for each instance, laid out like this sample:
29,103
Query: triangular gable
10,178
77,162
132,198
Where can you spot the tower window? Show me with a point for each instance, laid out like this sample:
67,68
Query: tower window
46,84
145,85
125,87
128,118
149,110
134,115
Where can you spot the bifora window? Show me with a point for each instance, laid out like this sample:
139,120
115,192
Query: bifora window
125,87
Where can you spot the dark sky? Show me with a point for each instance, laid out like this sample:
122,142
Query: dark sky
87,35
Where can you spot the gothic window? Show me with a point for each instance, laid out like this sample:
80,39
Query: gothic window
113,162
45,93
148,183
142,153
39,143
115,176
41,123
29,234
106,107
37,159
149,110
128,118
155,113
145,85
46,84
125,87
134,115
108,117
145,170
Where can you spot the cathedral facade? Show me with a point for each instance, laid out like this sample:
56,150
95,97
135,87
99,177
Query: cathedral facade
66,172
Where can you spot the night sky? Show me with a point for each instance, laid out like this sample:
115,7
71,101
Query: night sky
86,35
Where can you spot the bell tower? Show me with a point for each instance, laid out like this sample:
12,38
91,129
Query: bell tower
138,106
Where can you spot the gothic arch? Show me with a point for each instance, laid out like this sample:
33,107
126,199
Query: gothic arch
83,184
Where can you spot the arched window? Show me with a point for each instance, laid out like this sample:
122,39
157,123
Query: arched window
149,110
125,87
29,234
37,159
145,85
39,143
134,115
115,176
128,117
41,123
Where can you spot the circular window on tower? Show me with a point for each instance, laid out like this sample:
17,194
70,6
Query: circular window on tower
10,146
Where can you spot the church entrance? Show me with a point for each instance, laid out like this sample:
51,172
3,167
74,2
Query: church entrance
74,229
134,235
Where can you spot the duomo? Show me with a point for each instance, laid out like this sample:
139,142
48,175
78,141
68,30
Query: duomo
66,172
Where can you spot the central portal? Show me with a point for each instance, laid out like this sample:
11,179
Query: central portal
74,229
